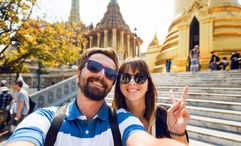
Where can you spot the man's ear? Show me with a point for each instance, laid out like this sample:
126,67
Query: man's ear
77,75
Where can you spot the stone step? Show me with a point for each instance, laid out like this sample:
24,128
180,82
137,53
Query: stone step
236,106
205,96
197,79
233,73
212,113
194,142
193,83
214,136
209,89
218,124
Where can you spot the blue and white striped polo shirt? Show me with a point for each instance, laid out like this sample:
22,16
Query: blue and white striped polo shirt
76,130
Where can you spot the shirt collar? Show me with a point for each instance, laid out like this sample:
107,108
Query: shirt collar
74,113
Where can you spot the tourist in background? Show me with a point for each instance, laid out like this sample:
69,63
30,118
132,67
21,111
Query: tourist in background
223,64
213,63
22,103
194,57
136,92
168,65
235,60
5,100
5,96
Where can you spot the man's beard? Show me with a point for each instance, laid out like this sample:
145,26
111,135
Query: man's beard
91,92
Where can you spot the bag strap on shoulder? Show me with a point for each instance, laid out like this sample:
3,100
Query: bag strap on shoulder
114,127
55,126
58,119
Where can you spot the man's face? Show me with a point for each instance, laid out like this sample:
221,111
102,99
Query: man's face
14,87
96,86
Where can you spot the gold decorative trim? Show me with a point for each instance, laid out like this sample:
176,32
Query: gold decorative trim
227,25
217,34
208,20
183,27
228,19
170,52
172,32
179,20
168,39
169,44
225,8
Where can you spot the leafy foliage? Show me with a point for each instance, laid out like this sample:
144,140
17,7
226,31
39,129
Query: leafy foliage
23,39
12,13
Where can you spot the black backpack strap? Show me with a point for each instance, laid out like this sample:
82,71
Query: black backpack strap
114,127
55,126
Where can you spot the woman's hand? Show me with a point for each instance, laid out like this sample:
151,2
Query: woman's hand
177,114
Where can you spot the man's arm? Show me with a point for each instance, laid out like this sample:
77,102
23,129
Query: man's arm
190,54
32,130
19,110
141,138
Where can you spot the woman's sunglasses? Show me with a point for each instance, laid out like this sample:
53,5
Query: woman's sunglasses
96,67
139,78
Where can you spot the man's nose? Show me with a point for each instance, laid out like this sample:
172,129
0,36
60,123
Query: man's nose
101,73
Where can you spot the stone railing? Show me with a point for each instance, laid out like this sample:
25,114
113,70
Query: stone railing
57,94
32,79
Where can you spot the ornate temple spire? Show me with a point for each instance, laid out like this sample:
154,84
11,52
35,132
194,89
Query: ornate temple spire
113,2
74,12
113,18
154,41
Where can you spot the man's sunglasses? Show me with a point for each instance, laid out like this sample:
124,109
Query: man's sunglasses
96,67
139,78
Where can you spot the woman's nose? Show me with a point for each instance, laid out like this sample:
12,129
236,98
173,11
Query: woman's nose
132,81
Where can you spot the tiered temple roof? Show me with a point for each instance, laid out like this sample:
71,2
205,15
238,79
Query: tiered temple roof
112,18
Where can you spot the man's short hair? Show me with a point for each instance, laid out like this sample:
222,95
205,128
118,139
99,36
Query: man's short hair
109,52
19,83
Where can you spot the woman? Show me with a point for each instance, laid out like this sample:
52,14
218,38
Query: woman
135,92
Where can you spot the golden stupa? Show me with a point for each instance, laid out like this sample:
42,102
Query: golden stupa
214,25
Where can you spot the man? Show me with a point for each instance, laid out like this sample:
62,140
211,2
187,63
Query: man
86,122
235,60
5,100
194,57
5,96
22,103
168,65
214,59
